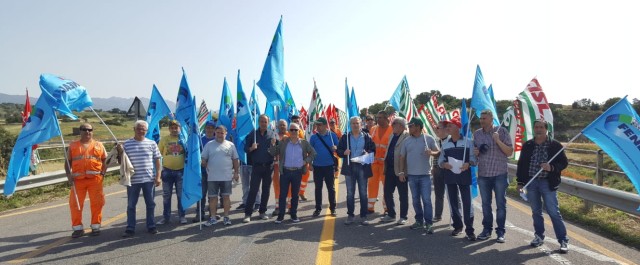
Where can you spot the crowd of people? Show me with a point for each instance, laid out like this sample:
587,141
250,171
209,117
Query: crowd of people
404,159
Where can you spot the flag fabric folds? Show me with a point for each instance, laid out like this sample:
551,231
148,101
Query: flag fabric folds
617,132
510,123
64,95
402,102
225,114
244,122
254,108
342,120
304,118
41,126
192,175
353,104
183,106
534,105
204,115
272,78
288,109
481,100
157,110
315,107
464,119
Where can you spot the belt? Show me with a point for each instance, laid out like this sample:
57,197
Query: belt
262,164
292,168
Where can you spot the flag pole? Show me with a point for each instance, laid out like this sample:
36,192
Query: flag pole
523,194
105,125
66,160
464,154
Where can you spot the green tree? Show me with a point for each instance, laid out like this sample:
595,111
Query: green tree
7,141
607,104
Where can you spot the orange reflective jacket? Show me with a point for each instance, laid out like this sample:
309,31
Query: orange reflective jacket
86,162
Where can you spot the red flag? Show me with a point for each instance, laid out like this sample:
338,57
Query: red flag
27,110
303,118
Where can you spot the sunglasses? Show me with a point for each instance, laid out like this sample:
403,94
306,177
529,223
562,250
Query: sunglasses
293,130
86,130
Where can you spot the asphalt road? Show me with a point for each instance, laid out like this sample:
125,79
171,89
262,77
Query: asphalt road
41,234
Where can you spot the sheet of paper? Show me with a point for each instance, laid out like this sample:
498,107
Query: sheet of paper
455,165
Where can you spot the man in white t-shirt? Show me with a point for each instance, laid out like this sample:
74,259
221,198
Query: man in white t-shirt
221,160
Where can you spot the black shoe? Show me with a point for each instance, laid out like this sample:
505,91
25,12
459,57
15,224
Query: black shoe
471,237
153,231
77,233
303,198
95,232
275,212
240,207
316,213
128,233
456,231
437,219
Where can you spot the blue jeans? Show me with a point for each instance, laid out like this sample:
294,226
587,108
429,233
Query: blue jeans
357,176
420,186
171,178
537,191
497,184
133,193
293,179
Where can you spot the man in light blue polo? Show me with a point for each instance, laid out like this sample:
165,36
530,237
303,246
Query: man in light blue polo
416,154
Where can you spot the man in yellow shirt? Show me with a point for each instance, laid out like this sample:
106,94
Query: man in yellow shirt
172,151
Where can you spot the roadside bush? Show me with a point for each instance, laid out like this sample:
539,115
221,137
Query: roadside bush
7,141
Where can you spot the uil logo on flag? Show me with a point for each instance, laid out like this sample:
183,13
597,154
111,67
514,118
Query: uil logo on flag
34,120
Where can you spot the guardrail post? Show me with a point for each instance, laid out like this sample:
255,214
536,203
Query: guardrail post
588,205
599,164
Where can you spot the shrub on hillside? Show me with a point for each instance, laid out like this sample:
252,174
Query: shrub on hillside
7,141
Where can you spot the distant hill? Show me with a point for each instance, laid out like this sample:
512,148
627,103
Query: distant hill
98,103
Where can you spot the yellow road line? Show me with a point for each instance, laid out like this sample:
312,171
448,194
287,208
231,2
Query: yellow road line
61,242
325,247
52,206
576,236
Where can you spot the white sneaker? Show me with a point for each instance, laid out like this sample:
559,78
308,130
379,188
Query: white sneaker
264,216
246,219
212,221
183,220
387,219
161,222
402,221
227,221
564,247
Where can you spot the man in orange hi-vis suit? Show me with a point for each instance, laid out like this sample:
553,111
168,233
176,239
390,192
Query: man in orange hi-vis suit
87,159
305,176
380,135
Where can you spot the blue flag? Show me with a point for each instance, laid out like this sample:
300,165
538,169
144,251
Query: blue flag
464,118
355,111
289,108
192,175
41,126
184,103
64,95
254,107
225,114
272,79
617,132
244,121
481,98
157,110
347,106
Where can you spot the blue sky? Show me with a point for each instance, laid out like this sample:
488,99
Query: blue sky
577,49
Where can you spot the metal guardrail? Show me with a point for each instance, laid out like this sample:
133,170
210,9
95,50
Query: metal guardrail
616,199
45,179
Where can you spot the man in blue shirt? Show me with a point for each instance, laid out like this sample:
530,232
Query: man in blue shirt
325,143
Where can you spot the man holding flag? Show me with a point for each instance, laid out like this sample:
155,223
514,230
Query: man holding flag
87,159
534,161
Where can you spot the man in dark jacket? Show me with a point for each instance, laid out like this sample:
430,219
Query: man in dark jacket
353,144
536,161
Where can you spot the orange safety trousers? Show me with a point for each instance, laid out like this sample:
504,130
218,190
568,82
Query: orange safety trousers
276,186
93,186
305,181
374,184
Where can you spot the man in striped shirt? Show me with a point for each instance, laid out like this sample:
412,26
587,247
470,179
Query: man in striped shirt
145,158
